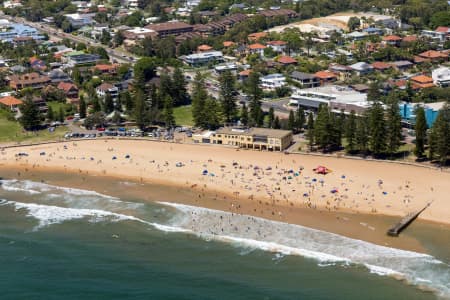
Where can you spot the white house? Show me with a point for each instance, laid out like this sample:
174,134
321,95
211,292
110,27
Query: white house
441,76
107,88
272,81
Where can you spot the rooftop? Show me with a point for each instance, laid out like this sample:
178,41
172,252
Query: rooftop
271,133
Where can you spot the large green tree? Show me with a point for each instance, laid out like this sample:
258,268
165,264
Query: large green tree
421,131
440,136
255,93
199,96
393,125
228,95
31,117
377,127
350,132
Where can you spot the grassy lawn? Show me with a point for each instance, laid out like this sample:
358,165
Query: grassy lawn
183,115
11,131
56,105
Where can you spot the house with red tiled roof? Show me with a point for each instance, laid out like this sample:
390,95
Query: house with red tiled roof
69,89
409,39
244,74
256,36
381,66
421,82
434,56
286,60
10,102
391,40
204,48
228,44
256,48
277,46
106,69
325,77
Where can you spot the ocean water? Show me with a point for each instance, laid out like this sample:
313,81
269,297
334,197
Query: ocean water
66,243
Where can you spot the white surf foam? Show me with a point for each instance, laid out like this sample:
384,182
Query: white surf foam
324,247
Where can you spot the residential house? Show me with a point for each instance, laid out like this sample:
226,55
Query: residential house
286,60
198,59
57,75
256,49
77,58
441,76
106,69
434,56
79,20
305,79
29,80
37,64
361,68
402,65
243,75
440,35
360,88
254,37
373,31
355,36
10,31
421,82
342,72
381,66
392,40
107,88
70,90
40,103
204,48
272,81
11,103
325,77
277,46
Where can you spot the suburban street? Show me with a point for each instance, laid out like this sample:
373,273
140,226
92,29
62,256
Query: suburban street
120,56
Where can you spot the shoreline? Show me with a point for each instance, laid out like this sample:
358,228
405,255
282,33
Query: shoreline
193,188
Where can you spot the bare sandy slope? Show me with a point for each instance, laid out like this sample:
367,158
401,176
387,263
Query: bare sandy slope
263,177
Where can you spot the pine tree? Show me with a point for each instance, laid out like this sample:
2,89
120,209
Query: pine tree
228,95
393,126
169,119
96,104
109,104
212,108
244,115
166,86
377,125
440,135
82,107
421,131
30,118
350,132
199,96
322,134
179,90
300,119
61,114
362,133
140,110
373,94
271,118
127,101
50,115
291,121
276,123
255,93
310,133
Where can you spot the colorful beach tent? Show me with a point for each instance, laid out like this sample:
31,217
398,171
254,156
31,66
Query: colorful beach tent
322,170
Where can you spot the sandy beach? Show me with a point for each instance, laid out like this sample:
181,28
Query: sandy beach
253,182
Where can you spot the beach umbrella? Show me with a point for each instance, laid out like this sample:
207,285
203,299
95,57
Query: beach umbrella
384,193
42,153
114,157
305,195
343,176
289,177
205,172
314,180
92,158
333,191
268,168
127,156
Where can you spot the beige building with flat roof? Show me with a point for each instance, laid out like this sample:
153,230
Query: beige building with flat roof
253,138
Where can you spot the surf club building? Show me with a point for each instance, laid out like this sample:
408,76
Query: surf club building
249,138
